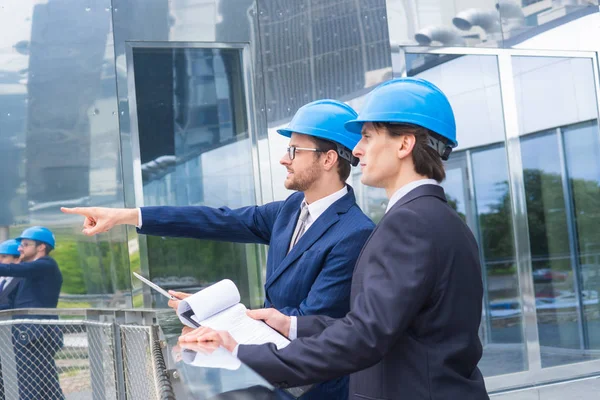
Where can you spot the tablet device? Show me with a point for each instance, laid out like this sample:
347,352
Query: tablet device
155,286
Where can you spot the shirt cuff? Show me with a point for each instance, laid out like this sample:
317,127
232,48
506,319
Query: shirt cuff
293,328
235,350
139,224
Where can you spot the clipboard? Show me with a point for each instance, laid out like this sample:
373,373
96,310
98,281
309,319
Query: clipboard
155,287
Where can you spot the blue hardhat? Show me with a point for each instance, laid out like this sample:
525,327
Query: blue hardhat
409,101
10,248
325,119
38,233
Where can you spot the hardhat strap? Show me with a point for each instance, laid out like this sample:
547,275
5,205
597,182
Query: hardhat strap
346,154
439,146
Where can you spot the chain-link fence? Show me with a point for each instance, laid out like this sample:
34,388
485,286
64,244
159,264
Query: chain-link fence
138,364
79,359
52,359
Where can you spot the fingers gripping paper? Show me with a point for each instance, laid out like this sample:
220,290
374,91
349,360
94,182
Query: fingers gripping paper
218,307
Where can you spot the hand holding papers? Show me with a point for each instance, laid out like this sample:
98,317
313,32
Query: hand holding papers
218,307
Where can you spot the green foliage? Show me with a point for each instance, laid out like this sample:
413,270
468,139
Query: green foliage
207,261
546,217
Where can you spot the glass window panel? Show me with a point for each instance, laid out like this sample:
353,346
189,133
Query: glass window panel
195,150
582,150
472,85
559,149
504,349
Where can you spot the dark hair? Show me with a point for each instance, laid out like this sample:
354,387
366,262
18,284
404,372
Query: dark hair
427,161
47,247
327,145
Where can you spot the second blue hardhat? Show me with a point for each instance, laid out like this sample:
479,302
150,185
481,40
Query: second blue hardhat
40,234
10,248
324,119
410,101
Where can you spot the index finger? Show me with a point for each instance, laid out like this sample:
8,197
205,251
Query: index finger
76,210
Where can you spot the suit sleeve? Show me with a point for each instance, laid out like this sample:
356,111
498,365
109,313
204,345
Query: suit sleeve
33,269
398,279
243,225
332,285
312,325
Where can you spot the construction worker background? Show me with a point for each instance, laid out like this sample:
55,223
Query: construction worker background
36,345
9,254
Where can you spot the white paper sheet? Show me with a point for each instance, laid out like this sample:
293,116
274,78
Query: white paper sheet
244,329
209,301
220,358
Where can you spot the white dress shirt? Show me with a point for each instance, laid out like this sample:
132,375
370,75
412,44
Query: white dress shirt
400,193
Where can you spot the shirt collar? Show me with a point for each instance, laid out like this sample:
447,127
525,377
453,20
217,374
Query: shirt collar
318,207
404,190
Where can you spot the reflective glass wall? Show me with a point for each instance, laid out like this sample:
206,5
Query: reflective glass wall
59,135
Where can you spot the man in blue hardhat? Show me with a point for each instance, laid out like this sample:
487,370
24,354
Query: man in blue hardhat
36,345
412,331
314,236
9,254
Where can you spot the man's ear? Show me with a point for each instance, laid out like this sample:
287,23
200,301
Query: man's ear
406,144
329,159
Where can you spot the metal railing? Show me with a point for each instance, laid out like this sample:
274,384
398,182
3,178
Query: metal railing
82,354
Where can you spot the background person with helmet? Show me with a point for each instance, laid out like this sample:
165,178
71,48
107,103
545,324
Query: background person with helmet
314,236
412,332
9,254
36,345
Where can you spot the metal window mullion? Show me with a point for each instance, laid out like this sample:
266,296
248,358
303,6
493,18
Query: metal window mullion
519,212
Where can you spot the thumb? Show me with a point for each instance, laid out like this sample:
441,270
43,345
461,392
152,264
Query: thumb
179,295
261,314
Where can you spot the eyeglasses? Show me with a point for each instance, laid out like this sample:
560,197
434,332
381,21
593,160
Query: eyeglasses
291,151
25,245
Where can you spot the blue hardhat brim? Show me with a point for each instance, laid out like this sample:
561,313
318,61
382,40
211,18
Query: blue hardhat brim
433,124
343,139
19,239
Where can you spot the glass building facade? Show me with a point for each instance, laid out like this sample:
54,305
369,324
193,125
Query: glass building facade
126,103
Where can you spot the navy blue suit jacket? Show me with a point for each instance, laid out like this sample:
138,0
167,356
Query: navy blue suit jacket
41,285
313,279
8,294
39,288
412,332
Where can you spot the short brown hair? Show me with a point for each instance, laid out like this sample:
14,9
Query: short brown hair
427,161
343,165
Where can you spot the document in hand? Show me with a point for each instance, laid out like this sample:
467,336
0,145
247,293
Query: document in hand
218,307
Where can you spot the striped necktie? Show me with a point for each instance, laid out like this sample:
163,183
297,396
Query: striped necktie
300,225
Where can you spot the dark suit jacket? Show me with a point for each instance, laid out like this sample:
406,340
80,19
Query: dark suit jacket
314,278
39,288
412,332
8,294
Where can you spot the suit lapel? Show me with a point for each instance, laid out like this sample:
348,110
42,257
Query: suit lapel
316,230
9,288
